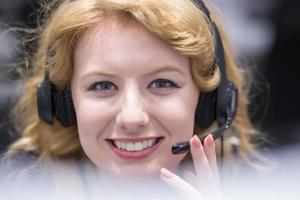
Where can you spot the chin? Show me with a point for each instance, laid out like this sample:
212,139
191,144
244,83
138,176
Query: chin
135,172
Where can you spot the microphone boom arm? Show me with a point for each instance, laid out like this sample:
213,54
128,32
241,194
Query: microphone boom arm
184,147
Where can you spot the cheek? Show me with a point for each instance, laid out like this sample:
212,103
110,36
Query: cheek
92,116
88,113
91,121
177,116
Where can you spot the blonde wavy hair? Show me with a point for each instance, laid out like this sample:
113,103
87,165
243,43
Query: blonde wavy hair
180,22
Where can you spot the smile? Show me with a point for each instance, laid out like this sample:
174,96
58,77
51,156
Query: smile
134,148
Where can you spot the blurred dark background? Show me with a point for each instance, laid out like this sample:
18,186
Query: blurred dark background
265,36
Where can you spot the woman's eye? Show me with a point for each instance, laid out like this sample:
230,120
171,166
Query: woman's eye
103,86
163,83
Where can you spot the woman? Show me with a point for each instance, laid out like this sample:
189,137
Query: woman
117,83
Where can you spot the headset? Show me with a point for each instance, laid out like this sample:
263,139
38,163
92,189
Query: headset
52,102
218,105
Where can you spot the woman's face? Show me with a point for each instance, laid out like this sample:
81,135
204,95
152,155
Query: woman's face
134,98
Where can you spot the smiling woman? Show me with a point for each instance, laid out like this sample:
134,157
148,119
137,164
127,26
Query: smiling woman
117,83
138,82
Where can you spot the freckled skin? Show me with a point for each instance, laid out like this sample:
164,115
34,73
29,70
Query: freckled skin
131,58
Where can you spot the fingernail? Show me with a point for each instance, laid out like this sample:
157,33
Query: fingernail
210,140
165,174
196,141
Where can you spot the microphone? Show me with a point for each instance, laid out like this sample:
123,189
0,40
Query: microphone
183,147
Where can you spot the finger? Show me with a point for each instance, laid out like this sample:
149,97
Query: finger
184,189
200,161
213,191
190,177
210,152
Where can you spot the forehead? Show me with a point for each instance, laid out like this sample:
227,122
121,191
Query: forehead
119,42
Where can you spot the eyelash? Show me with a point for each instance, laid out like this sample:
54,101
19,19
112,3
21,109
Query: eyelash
171,84
166,84
93,87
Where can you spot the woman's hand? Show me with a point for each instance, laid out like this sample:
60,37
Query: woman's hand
205,183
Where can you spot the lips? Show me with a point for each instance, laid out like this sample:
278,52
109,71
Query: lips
139,148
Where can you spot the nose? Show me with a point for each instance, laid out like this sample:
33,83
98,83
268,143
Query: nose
132,116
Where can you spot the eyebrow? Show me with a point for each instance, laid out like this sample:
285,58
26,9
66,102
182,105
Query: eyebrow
165,69
156,71
98,73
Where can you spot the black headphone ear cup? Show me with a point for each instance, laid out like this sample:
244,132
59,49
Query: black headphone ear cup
50,102
226,102
44,101
64,108
206,109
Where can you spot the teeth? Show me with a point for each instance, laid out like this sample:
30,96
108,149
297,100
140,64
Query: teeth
123,145
145,143
118,144
137,146
130,147
150,143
